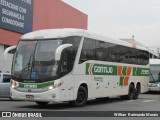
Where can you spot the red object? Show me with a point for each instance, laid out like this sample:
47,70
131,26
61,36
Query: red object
8,37
49,14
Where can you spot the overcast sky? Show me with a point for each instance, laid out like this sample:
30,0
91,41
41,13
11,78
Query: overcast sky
123,18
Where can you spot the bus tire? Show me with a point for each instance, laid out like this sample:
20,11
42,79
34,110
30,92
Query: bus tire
82,96
10,98
137,92
42,103
124,97
131,93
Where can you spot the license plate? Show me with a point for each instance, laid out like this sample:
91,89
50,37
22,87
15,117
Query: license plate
30,97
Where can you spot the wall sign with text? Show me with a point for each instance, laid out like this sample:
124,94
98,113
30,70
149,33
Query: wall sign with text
16,15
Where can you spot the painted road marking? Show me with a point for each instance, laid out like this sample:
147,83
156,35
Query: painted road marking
131,100
145,101
148,101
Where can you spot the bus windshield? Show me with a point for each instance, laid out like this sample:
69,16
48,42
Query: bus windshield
155,72
35,59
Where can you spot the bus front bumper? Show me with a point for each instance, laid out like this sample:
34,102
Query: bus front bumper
154,89
48,96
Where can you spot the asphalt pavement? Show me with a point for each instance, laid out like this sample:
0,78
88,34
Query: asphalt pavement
146,102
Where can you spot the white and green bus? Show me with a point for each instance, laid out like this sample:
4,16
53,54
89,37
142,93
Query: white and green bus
154,82
75,65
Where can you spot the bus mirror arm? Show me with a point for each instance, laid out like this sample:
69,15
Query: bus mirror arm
7,50
60,49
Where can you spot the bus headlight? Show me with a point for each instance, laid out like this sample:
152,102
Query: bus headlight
54,86
50,87
14,84
158,85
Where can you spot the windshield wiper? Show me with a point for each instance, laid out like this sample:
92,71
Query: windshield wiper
152,77
27,66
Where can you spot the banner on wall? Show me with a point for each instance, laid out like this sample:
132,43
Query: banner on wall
16,15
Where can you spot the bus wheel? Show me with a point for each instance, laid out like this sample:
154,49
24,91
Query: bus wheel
137,92
82,96
10,98
42,103
130,95
131,92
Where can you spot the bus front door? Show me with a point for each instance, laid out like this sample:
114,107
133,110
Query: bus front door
66,92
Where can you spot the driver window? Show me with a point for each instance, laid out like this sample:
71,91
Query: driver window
66,62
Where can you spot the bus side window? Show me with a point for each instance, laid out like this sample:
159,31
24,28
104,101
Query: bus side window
75,41
146,58
136,56
141,58
132,57
88,50
122,54
113,52
66,66
101,51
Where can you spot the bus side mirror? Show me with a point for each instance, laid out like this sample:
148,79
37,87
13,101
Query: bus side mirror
7,50
60,49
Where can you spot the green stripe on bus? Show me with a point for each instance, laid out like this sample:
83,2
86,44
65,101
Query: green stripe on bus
101,69
124,71
141,71
121,81
35,85
87,68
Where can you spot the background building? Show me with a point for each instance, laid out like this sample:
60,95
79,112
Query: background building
18,17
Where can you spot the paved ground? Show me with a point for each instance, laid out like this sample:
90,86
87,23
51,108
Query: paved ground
146,102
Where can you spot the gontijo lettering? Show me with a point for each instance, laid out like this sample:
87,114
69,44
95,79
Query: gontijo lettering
99,69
